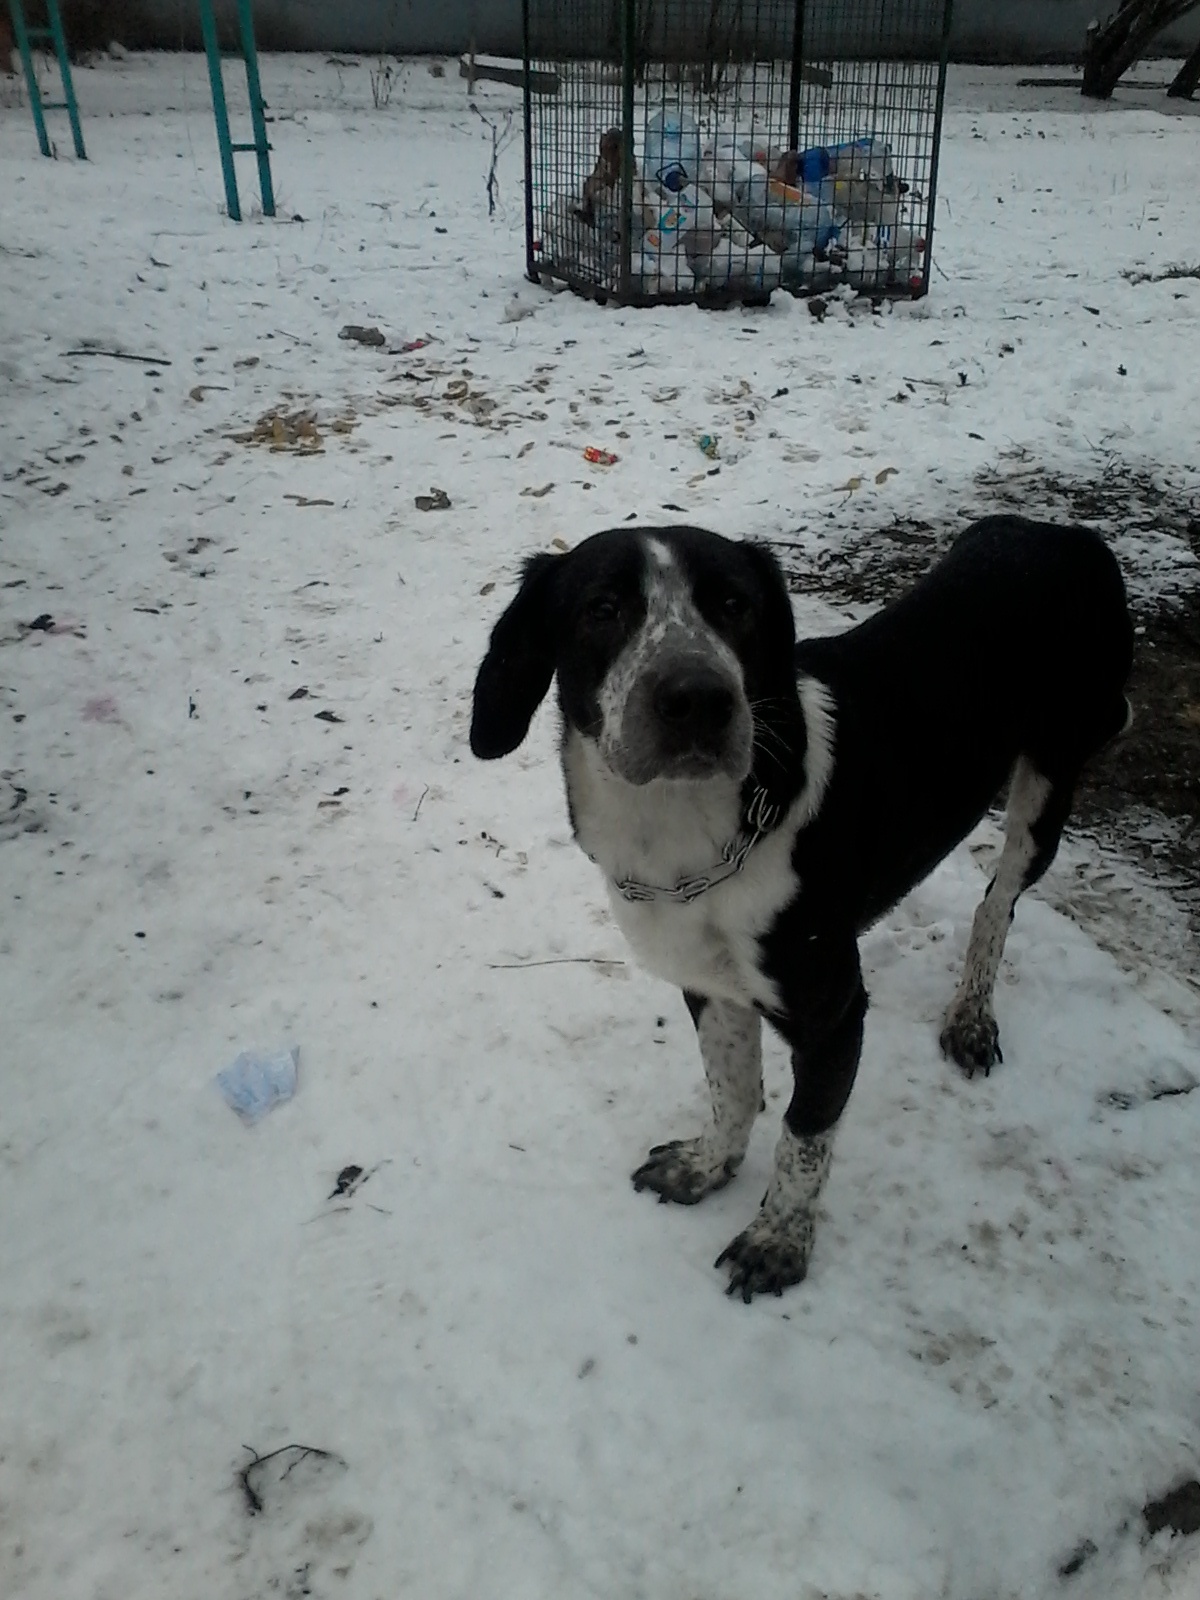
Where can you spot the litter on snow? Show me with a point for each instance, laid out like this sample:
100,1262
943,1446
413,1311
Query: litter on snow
255,1082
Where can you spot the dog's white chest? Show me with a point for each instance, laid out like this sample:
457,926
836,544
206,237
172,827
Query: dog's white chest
712,945
658,835
696,948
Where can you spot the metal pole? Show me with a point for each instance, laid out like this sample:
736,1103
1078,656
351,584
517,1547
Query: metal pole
35,94
937,144
628,52
527,97
794,84
208,27
64,67
261,147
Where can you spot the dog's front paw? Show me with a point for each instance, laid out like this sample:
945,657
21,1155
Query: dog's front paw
971,1039
770,1256
685,1170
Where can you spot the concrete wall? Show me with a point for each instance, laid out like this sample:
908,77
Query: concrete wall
983,30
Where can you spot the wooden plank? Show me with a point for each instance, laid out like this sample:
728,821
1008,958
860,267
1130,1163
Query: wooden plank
497,70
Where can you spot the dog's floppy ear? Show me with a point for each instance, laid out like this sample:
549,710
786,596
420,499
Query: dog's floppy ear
781,742
515,675
770,574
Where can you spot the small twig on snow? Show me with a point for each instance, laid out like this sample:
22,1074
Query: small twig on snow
557,961
254,1501
119,355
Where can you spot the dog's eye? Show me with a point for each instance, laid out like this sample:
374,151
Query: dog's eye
601,608
734,605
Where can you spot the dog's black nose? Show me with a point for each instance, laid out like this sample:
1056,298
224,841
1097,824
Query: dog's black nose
695,702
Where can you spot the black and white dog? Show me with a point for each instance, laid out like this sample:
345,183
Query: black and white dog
755,803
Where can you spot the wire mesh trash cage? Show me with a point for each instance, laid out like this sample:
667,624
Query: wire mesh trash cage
715,150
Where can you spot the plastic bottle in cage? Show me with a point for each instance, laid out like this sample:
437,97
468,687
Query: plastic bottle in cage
671,155
789,216
857,179
671,161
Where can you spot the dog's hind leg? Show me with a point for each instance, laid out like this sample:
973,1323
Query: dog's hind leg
731,1047
1037,811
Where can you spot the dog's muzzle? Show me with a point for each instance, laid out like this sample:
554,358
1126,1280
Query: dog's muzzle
693,710
687,719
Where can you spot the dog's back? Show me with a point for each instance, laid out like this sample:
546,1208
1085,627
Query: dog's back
1018,643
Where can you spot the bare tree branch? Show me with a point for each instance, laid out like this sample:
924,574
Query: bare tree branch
1183,85
1113,47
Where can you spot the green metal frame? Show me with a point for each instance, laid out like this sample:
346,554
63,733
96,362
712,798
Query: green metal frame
24,36
943,64
260,144
628,74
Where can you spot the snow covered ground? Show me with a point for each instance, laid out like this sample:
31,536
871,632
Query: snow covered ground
243,813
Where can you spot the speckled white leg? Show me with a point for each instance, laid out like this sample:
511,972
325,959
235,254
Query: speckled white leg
969,1035
685,1170
773,1251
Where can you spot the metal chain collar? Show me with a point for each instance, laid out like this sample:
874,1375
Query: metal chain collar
762,817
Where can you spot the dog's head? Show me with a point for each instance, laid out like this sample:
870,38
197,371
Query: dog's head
674,650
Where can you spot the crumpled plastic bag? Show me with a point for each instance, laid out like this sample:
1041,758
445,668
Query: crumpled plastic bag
256,1081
